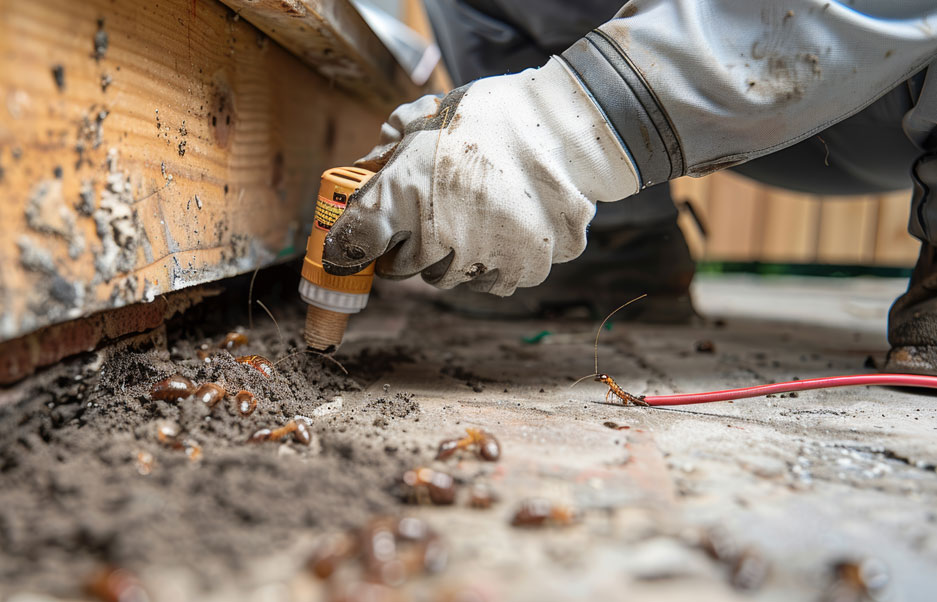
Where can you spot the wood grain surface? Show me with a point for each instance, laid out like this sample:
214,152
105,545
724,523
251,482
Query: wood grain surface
149,146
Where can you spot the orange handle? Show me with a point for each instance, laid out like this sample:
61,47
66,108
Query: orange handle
337,185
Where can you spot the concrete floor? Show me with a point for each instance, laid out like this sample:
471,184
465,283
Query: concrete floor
802,482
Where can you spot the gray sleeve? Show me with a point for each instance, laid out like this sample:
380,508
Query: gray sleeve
693,86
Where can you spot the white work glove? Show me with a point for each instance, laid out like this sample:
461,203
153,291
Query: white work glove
490,185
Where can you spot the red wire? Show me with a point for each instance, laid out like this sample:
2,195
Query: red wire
894,380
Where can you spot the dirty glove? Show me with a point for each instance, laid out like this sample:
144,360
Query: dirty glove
490,184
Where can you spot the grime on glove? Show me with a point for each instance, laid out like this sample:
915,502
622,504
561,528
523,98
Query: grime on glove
490,184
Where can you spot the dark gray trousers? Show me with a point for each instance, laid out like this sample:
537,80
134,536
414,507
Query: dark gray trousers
867,153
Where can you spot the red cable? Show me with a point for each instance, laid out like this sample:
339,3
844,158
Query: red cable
893,380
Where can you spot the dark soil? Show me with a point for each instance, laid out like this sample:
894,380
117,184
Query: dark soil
78,488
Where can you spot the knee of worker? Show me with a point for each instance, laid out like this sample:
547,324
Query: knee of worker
652,206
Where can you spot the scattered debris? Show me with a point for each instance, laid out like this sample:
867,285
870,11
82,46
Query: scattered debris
106,81
168,433
47,213
58,74
747,567
35,258
144,462
387,552
750,570
85,205
117,224
537,338
90,133
100,41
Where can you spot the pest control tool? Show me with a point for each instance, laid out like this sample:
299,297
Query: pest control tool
331,298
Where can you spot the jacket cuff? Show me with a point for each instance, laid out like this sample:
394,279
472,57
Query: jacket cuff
629,106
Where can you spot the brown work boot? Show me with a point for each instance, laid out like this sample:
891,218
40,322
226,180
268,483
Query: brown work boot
912,320
617,266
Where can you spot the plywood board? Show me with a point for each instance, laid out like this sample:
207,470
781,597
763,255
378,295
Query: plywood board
146,147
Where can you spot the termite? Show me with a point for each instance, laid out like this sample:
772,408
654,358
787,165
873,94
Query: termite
613,387
174,388
331,552
538,512
259,363
485,444
111,584
438,486
857,581
246,402
144,462
210,394
750,570
232,340
482,496
168,433
298,427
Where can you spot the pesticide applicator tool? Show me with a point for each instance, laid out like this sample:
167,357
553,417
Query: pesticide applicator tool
332,299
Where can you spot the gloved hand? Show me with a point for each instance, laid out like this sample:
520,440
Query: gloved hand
490,185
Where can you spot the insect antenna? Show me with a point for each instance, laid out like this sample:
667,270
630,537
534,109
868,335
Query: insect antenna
270,313
599,331
328,357
595,347
582,379
250,294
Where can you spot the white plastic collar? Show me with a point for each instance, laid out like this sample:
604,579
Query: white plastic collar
323,298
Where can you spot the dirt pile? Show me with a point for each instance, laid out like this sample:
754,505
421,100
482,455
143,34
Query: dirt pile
85,479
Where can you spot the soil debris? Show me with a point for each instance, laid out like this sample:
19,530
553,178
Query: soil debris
58,74
101,41
88,478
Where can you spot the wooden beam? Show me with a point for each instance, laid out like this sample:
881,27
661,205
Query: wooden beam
150,146
332,38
